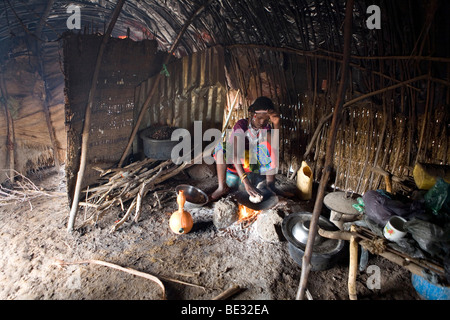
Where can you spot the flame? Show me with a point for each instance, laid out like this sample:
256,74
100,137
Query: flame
247,214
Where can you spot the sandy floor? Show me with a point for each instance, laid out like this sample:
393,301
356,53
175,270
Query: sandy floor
33,235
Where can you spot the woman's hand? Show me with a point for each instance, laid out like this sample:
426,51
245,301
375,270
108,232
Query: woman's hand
275,118
251,190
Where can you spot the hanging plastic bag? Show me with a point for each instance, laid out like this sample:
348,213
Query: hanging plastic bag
437,198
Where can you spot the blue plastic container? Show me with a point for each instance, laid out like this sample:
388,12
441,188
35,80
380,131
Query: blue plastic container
428,290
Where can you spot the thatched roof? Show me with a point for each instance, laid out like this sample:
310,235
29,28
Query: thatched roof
299,24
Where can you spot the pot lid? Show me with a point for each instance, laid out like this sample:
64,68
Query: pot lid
324,247
340,202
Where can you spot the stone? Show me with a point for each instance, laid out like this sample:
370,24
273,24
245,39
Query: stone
225,213
268,226
201,171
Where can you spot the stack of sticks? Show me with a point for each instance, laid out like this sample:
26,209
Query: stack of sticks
131,183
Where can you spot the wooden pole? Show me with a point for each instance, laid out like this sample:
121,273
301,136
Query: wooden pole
117,267
10,135
353,266
87,117
156,82
425,116
46,107
306,260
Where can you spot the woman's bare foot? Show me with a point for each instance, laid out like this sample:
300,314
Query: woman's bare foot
220,192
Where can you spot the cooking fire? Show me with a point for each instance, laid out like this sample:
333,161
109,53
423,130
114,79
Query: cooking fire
246,214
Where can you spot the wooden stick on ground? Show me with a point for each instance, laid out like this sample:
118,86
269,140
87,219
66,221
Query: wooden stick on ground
117,267
125,217
140,195
228,293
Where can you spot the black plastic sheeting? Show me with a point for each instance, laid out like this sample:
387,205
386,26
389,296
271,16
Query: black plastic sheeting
299,24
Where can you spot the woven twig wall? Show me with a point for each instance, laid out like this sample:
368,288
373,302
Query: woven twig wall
391,130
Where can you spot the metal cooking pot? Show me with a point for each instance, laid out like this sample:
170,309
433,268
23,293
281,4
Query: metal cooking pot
326,252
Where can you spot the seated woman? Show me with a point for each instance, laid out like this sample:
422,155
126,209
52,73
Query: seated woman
250,150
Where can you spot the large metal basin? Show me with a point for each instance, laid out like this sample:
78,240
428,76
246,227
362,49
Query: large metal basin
326,252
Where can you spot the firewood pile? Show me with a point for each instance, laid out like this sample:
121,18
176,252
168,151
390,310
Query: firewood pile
131,183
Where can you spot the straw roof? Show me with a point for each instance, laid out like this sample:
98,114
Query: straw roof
299,24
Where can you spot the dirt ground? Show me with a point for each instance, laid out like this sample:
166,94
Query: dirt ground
33,235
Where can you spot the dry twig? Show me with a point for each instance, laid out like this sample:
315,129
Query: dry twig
131,183
117,267
22,190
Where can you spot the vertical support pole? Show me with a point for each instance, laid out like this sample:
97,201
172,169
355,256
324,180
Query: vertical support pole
10,135
87,117
306,260
353,266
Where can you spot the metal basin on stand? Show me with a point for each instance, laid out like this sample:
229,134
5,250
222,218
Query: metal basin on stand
341,206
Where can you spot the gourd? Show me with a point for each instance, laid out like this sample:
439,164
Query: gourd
181,221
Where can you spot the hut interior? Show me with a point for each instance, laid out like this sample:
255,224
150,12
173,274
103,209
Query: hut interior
92,95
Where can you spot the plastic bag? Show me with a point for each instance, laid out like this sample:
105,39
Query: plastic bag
426,230
437,198
431,237
380,206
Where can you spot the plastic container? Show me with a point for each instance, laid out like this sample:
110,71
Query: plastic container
304,182
232,180
157,149
428,290
425,174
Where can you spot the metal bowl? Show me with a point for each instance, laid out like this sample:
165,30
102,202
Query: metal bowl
195,197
